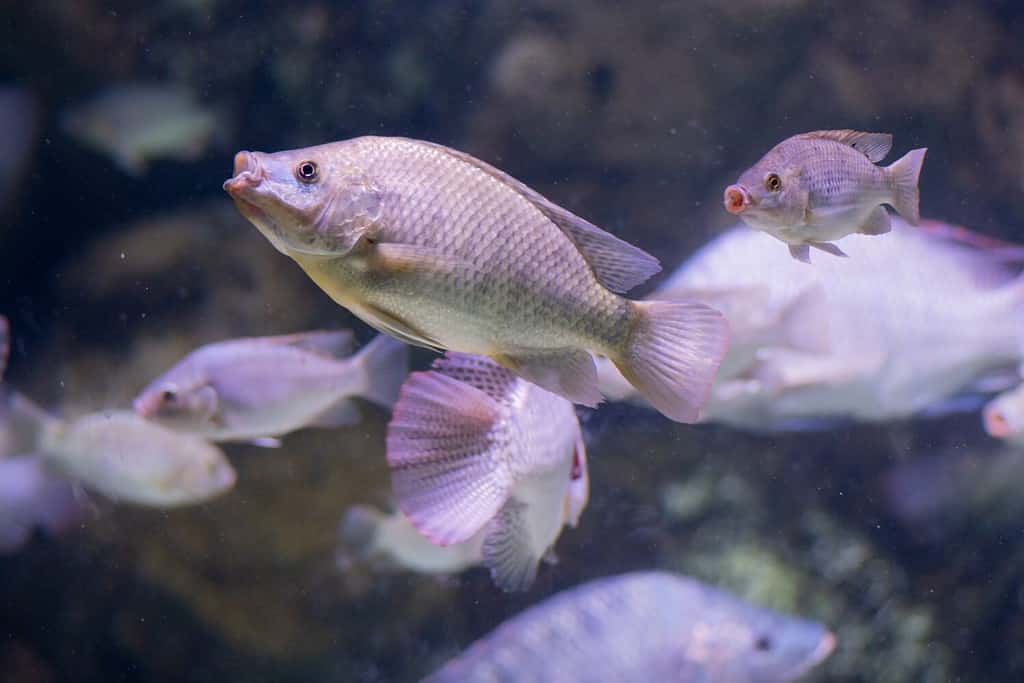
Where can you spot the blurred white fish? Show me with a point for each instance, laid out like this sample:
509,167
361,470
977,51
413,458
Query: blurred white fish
131,460
643,627
475,449
19,124
1004,416
909,324
32,497
263,387
136,123
817,187
391,542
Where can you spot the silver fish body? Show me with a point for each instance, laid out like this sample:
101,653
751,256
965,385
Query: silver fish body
130,460
256,388
476,452
442,250
818,187
908,323
641,627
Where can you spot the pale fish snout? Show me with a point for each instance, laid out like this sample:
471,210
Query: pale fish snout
247,173
996,423
736,199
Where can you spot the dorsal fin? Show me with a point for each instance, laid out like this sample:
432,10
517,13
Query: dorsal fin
329,343
872,145
617,264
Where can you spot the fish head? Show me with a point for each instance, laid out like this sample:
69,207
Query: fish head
315,201
578,493
783,647
769,194
179,398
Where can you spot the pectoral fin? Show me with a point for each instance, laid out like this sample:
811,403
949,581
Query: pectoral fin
801,252
384,322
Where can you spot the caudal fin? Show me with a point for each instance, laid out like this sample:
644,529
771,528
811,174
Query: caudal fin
385,362
675,352
905,173
440,448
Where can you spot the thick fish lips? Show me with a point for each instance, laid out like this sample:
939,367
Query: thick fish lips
247,175
996,423
736,199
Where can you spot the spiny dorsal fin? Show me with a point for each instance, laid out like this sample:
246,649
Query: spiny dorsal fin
617,264
873,145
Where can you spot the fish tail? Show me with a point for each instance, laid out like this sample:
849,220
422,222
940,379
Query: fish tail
674,353
905,173
446,476
385,363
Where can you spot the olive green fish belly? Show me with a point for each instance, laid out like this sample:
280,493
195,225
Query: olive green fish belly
498,314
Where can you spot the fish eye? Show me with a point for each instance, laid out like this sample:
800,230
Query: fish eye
307,172
773,182
168,396
763,643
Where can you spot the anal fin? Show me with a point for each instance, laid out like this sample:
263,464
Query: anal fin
568,372
506,550
877,222
829,248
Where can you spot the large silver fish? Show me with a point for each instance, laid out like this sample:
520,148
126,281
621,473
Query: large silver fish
441,250
817,187
474,449
906,326
640,628
259,388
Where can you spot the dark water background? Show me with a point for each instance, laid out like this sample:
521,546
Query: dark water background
632,117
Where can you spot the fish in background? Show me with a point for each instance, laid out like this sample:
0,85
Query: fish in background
31,497
817,187
19,126
907,326
131,460
391,542
135,123
256,389
944,494
643,627
1003,416
444,251
478,453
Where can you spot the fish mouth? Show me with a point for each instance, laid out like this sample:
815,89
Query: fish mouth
737,199
996,424
248,175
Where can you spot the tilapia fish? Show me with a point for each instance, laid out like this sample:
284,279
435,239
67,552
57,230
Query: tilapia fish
259,388
643,627
817,187
441,250
479,454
